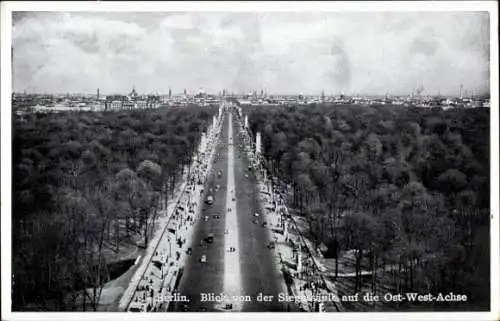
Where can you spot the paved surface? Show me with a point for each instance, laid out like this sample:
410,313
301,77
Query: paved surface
230,262
159,268
257,271
261,270
308,281
232,269
198,277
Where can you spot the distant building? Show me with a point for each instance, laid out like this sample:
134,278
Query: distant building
244,102
128,105
141,104
116,104
133,95
97,107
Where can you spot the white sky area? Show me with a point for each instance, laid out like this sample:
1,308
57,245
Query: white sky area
308,52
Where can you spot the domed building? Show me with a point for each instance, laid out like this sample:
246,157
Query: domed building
133,95
131,101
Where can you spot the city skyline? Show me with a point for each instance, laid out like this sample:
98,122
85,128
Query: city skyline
285,53
459,93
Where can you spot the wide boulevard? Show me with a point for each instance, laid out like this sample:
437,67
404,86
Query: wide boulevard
228,272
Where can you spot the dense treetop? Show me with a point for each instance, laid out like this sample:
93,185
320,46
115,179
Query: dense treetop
85,184
408,186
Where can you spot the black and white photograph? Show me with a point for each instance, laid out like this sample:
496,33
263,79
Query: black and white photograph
172,160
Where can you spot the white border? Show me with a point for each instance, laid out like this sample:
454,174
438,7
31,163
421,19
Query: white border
6,26
252,6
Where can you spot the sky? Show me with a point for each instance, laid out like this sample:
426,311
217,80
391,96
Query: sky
279,52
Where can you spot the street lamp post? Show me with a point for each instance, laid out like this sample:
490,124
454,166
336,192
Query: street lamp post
170,247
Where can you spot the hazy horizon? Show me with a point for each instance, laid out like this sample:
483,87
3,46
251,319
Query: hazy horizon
375,53
125,93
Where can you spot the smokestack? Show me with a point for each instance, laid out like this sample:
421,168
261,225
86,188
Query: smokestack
461,89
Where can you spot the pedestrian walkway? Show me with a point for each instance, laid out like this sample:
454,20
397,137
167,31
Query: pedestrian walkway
294,253
162,222
154,281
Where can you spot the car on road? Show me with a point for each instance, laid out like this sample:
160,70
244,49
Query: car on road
255,221
205,218
271,245
210,238
256,214
210,200
264,224
203,259
217,217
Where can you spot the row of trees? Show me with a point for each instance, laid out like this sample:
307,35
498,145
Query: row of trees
86,185
406,188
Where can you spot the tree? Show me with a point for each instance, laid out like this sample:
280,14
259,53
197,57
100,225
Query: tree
151,173
359,228
452,181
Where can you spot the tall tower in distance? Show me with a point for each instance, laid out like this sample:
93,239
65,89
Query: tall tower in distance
185,92
170,92
97,93
461,89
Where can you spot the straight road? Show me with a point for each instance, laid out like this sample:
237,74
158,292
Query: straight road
207,277
260,271
249,269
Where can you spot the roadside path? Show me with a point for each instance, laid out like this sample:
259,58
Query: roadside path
155,278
